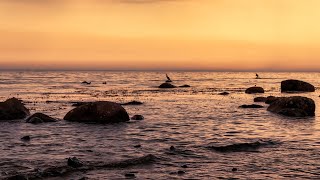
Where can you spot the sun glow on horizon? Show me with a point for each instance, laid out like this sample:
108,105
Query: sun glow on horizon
160,34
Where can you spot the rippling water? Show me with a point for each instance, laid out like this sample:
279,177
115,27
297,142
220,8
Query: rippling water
191,119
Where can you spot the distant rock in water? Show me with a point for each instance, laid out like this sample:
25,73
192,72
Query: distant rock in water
74,162
251,106
86,82
132,103
295,106
254,90
137,117
296,86
242,147
26,138
224,93
167,85
104,83
76,104
185,86
13,109
260,99
271,99
98,112
40,118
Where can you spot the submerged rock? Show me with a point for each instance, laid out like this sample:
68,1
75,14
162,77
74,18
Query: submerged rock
260,99
13,109
130,175
254,90
271,99
295,106
137,117
167,85
99,112
86,82
130,162
132,103
185,86
251,106
292,85
40,118
26,138
74,162
242,147
224,93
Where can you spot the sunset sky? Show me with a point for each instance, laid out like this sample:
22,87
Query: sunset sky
160,34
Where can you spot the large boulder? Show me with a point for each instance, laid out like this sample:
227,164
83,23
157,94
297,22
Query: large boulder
99,112
167,85
271,99
254,90
295,106
40,118
13,109
296,86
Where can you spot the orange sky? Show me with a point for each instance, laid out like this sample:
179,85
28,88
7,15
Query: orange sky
160,34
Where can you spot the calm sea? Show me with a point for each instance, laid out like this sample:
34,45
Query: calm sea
191,119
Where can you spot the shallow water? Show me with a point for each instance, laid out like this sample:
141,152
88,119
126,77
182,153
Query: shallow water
191,119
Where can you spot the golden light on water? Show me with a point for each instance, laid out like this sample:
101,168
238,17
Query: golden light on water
177,34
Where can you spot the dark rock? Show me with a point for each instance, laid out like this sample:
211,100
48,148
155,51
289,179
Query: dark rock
224,93
40,118
168,81
184,166
104,83
13,109
167,85
74,162
137,117
271,99
251,106
172,148
181,172
137,146
234,169
26,138
254,90
185,86
295,106
85,82
260,99
83,178
132,103
131,162
242,147
99,112
130,175
18,177
296,86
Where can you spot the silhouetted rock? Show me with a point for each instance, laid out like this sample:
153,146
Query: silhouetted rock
99,112
295,106
242,147
185,86
296,86
167,85
271,99
77,104
104,83
132,103
26,138
181,172
74,162
137,146
137,117
130,175
86,82
13,109
234,169
131,162
254,90
224,93
39,118
184,166
172,148
260,99
251,106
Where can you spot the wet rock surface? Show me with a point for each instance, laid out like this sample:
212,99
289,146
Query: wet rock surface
13,109
98,112
295,106
242,147
254,90
40,118
292,85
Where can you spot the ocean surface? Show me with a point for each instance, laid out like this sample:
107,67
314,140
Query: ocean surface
190,119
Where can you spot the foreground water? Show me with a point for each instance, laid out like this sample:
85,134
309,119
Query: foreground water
191,119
